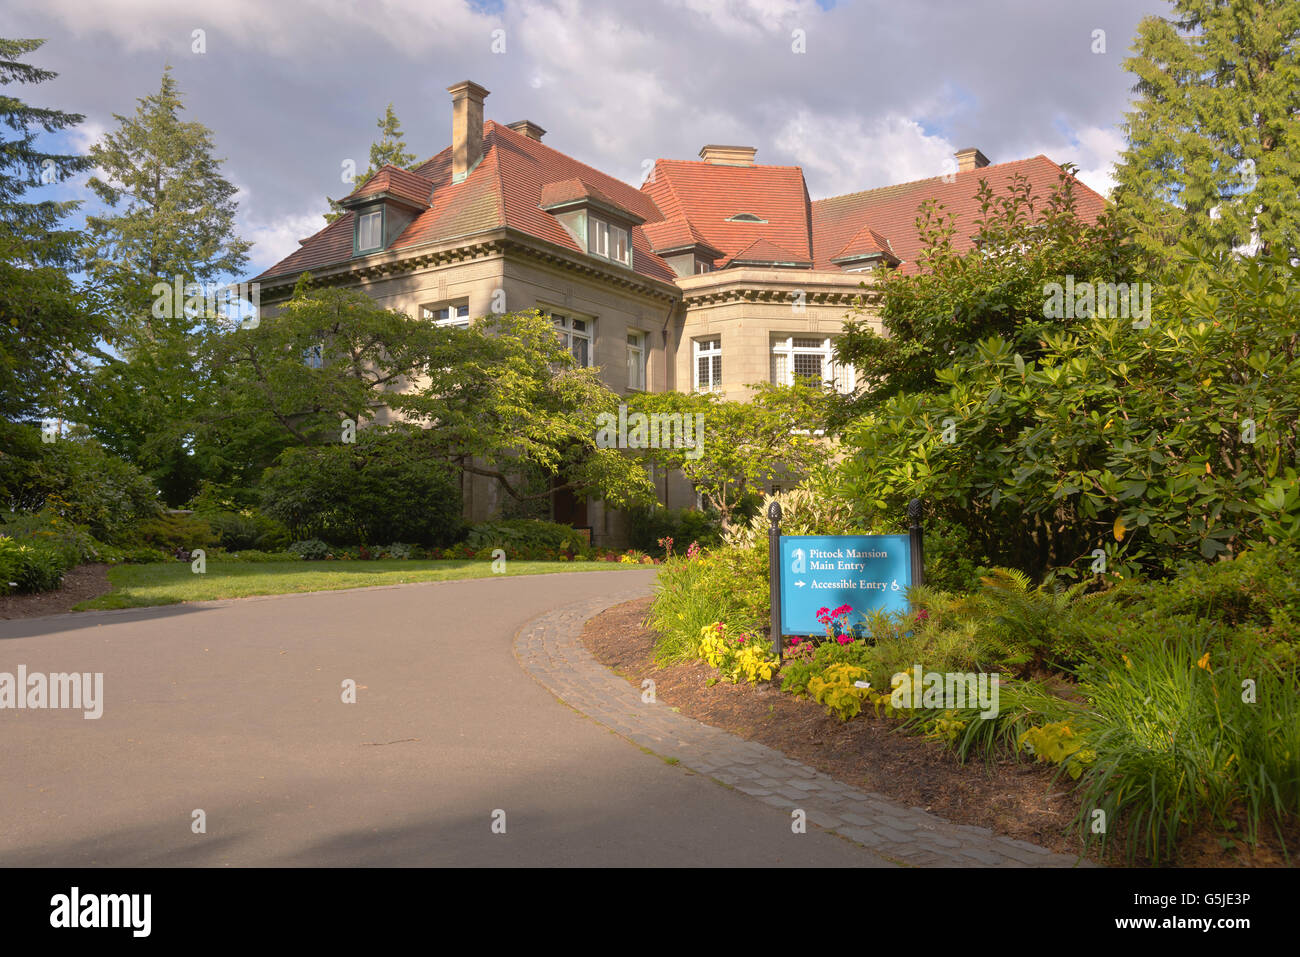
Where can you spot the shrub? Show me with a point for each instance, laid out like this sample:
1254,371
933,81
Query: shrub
523,534
254,555
646,526
838,689
138,555
311,549
1178,742
393,484
172,531
735,656
243,530
728,585
1151,444
31,566
76,479
50,528
803,512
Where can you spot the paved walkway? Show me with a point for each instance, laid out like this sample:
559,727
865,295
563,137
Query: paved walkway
550,648
234,708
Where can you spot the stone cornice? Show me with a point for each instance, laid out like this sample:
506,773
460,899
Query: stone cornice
498,242
775,286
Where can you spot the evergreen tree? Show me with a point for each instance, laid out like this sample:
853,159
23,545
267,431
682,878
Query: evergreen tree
1213,149
388,150
170,219
46,325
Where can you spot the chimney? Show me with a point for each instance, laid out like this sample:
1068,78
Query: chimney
728,155
970,158
529,129
466,127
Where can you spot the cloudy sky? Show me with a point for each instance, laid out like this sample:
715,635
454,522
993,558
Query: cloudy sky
882,92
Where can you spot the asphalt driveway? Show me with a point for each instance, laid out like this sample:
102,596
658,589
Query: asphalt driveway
235,709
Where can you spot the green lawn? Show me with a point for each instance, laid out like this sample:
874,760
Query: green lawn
168,583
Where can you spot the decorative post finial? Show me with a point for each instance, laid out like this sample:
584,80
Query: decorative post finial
774,512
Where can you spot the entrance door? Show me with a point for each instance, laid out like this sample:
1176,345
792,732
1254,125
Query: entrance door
567,508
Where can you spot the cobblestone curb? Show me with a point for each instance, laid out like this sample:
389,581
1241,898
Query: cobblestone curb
549,649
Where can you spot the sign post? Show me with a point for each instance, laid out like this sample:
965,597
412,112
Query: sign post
918,541
774,574
868,573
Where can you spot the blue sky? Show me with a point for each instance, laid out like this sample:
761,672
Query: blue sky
884,93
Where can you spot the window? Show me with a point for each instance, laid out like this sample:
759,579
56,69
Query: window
745,218
576,336
708,365
810,360
314,356
636,361
370,230
703,265
448,314
608,240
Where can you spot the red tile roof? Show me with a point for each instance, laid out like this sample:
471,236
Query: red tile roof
891,211
710,194
766,251
865,242
683,203
397,181
504,189
676,234
571,190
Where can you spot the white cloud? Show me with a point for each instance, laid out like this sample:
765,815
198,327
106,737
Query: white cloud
1094,149
278,238
843,156
289,28
751,19
1100,151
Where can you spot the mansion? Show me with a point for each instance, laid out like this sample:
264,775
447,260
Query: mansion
713,274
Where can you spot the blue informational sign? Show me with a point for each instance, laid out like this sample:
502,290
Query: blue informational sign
865,572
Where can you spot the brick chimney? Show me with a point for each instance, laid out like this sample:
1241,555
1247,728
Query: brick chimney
466,127
528,128
728,155
970,158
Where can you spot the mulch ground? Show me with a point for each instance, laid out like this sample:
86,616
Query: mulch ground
79,584
1011,797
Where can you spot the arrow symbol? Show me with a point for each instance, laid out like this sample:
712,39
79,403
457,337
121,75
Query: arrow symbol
800,584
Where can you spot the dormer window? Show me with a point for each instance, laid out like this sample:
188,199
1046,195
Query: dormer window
370,230
599,225
745,218
383,206
608,241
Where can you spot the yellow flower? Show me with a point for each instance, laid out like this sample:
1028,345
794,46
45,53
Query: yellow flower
1127,664
1205,663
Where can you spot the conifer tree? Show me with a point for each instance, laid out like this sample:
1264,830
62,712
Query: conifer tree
388,150
169,220
1213,150
46,325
